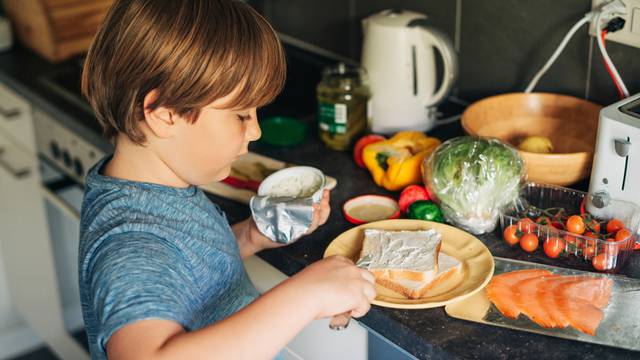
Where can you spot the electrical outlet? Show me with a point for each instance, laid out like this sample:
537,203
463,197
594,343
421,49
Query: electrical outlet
630,33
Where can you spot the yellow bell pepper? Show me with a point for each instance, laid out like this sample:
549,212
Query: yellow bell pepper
396,163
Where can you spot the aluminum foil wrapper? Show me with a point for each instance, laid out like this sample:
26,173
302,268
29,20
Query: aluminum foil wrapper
282,219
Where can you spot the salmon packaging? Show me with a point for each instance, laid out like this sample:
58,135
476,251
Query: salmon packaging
566,303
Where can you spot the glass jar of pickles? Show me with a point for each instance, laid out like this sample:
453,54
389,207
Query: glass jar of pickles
343,96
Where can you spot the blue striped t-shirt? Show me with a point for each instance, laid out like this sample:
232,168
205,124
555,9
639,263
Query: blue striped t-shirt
152,251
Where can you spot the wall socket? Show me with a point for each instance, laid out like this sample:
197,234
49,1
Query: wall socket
630,33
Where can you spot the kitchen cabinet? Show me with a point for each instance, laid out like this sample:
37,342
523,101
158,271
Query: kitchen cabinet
24,241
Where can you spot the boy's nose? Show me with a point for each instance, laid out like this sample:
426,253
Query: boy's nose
253,132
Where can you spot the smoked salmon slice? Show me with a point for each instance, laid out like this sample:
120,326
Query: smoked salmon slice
527,299
552,300
501,292
582,302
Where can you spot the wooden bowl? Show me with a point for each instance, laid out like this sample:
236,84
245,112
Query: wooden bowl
570,123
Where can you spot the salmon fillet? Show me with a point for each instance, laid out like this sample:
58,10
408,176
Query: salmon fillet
501,293
552,300
528,300
582,302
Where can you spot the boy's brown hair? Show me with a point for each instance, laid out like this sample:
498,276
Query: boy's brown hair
192,51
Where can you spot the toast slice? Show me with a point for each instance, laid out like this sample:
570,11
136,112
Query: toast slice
402,255
410,278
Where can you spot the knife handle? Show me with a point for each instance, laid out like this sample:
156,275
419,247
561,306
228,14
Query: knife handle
340,321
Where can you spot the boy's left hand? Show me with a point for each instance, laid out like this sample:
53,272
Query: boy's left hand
321,213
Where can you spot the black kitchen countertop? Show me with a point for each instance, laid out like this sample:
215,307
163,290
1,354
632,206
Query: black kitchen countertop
423,333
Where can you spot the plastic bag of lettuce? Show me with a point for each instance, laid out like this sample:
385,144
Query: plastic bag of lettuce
474,179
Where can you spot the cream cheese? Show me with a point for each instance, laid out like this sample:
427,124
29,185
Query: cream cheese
402,250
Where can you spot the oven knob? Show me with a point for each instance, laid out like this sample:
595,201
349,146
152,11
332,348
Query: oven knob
77,166
66,158
55,149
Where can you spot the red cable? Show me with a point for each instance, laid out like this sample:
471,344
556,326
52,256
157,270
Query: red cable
603,35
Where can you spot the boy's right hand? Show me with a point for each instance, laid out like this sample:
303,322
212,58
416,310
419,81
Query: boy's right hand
336,285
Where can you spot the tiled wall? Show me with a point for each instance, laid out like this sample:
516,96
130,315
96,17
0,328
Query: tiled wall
501,43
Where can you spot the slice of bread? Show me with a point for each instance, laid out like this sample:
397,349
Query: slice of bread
402,255
393,260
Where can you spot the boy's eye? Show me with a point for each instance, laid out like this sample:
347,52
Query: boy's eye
244,117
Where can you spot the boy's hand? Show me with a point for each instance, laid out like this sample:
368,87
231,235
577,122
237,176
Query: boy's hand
251,240
335,285
321,212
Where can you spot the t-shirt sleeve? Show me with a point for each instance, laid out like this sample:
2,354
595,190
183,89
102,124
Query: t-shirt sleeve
135,276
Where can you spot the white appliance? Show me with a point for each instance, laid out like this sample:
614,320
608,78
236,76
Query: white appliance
616,162
398,54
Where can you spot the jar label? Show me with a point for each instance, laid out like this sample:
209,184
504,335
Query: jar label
333,118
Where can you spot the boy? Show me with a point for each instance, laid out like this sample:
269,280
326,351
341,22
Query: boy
175,84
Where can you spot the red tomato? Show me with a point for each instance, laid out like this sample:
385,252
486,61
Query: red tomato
511,235
622,234
361,143
575,224
543,220
553,247
410,194
590,234
593,225
529,242
575,241
614,225
589,249
526,225
602,262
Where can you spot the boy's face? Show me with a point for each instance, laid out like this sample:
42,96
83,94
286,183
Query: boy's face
202,152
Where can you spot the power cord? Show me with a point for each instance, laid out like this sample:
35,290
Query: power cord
614,25
612,8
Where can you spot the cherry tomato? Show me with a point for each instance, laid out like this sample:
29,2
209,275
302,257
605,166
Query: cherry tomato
543,220
575,224
529,242
591,235
553,247
614,225
512,235
622,234
589,249
593,225
410,194
526,225
361,143
575,241
602,262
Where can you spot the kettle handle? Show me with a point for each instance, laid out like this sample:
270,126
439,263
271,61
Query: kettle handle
440,40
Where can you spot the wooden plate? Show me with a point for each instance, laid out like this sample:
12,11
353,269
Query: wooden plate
477,263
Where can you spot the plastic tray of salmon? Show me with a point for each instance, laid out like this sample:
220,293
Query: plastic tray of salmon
560,302
565,226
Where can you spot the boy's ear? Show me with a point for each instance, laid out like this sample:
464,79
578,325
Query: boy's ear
160,120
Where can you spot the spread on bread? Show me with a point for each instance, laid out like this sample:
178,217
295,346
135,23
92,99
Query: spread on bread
407,262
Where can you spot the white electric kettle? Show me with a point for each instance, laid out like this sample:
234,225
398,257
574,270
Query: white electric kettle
398,55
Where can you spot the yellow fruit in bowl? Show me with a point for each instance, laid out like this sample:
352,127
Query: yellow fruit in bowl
536,144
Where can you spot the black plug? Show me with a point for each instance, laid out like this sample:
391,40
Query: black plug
615,24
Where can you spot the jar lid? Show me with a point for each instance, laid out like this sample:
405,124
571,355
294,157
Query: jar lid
282,131
367,208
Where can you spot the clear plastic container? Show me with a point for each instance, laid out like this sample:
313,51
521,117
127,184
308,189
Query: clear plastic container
599,249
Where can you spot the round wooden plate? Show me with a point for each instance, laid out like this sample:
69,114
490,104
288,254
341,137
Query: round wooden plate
477,263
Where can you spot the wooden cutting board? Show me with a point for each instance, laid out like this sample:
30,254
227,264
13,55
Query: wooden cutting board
251,166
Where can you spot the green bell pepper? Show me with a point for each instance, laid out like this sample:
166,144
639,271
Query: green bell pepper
425,210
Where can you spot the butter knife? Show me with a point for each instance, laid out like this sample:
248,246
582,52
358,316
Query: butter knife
341,321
